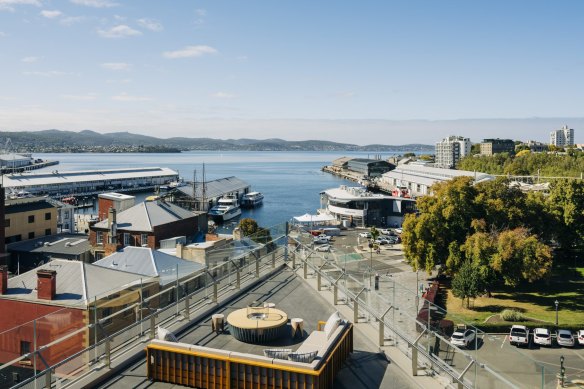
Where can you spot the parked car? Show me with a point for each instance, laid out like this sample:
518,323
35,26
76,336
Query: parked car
519,335
463,338
324,248
580,337
542,336
366,234
385,231
565,338
324,236
382,241
398,230
320,240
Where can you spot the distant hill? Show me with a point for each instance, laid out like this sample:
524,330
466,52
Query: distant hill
91,141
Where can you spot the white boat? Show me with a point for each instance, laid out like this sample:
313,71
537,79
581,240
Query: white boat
252,199
227,208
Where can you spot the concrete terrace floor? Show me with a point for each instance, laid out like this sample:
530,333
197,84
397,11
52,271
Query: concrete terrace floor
366,368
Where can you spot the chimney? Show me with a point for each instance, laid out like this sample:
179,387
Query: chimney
46,284
112,226
3,279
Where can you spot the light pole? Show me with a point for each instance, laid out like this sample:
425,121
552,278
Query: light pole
417,290
557,304
370,262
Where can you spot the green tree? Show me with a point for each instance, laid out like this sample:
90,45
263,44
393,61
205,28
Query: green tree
248,226
466,283
520,256
566,205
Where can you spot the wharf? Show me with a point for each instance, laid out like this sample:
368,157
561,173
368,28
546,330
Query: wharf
358,178
32,166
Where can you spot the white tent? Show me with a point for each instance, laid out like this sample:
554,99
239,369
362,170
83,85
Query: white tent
314,219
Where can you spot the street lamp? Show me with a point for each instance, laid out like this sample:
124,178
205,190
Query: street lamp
370,262
557,304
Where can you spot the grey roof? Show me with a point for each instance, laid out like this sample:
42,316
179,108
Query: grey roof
151,263
70,244
216,188
78,283
422,173
147,215
341,161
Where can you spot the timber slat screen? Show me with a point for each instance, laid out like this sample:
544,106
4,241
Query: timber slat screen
204,370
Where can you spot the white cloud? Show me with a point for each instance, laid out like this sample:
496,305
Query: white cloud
86,97
70,20
95,3
150,24
201,12
29,59
129,98
116,66
50,73
8,5
120,31
190,51
51,14
223,95
200,16
3,34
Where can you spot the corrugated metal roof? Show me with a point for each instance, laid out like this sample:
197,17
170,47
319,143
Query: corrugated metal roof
27,206
151,263
48,178
216,188
147,215
70,244
78,283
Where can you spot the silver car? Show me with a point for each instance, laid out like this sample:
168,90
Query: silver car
565,338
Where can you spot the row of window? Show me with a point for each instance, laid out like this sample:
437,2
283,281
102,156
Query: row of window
48,216
18,238
143,238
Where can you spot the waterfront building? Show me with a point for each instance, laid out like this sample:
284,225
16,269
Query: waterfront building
29,254
15,161
450,150
417,180
29,218
145,225
564,137
363,208
119,201
201,196
496,146
369,167
60,184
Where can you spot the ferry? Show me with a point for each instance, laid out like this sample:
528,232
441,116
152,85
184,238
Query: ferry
252,199
227,208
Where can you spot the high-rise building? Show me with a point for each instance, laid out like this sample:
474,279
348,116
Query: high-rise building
563,137
449,150
495,146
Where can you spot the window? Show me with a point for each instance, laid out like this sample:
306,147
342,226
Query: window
47,216
48,231
66,214
105,312
24,348
31,235
99,237
6,222
31,218
99,255
126,239
144,239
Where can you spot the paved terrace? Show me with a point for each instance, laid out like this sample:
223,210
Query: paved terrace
366,368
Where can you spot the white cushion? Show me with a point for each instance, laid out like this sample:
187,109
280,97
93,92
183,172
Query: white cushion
331,324
164,334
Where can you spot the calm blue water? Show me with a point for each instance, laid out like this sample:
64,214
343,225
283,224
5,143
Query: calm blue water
290,181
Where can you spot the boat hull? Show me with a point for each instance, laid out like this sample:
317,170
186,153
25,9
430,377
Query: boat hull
219,218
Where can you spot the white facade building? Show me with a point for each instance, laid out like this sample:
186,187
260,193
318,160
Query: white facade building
449,150
563,137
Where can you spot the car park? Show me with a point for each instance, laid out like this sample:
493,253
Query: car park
463,337
565,338
542,336
519,335
580,337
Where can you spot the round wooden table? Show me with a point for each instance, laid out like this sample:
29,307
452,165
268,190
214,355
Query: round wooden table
257,325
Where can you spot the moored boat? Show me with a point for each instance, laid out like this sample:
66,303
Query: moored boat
227,208
252,199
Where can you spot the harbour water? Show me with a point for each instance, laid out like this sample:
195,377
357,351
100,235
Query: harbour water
290,181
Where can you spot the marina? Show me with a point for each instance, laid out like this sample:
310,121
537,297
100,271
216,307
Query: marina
252,200
226,209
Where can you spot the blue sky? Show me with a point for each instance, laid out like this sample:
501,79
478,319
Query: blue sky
362,72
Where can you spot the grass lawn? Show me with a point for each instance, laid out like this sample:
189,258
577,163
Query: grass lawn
535,301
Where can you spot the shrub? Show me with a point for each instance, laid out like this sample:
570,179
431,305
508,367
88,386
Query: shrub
512,315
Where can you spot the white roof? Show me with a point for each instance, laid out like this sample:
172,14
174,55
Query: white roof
150,263
433,173
28,179
14,157
215,188
115,196
349,193
78,283
308,218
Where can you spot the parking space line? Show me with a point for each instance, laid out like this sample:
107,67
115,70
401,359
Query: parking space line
504,340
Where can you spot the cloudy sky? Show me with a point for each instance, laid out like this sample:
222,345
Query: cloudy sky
388,72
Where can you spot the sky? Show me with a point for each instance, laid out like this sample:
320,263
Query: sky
363,72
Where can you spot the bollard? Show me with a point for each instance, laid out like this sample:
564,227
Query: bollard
377,281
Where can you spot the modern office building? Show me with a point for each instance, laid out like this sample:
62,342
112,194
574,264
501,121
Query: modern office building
450,150
496,146
564,137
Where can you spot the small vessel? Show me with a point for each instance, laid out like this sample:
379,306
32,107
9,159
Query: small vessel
227,208
252,199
